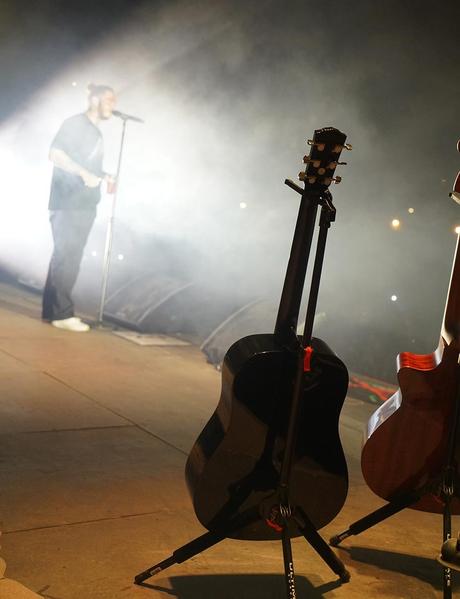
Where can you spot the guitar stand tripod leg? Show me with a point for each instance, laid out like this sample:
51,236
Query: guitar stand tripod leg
199,545
391,508
280,515
447,534
449,490
312,537
395,506
288,564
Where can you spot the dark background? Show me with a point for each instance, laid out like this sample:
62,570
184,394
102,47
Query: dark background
257,78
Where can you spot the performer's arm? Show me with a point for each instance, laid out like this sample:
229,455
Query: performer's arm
60,159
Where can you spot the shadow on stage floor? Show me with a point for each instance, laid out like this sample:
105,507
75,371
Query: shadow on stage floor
243,586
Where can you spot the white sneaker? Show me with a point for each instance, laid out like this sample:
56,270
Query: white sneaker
71,324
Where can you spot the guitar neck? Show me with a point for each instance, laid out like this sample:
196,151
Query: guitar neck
291,296
451,322
326,147
450,330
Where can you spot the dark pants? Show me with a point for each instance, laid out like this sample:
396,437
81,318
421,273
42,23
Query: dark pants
70,233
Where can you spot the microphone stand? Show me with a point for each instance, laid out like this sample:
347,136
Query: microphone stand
109,234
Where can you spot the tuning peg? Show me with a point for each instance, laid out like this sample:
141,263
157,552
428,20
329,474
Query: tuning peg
338,148
308,160
320,146
329,180
332,165
303,177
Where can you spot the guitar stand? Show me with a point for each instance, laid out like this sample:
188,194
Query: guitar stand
276,510
213,537
446,487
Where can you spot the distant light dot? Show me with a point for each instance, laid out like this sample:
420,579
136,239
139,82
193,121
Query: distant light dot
411,210
120,257
94,253
457,229
74,84
394,298
395,223
243,205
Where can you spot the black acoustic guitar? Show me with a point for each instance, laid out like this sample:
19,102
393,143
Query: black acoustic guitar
235,463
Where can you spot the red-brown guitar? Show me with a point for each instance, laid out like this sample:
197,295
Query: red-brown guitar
406,441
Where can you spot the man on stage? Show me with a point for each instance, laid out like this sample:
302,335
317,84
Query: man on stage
77,155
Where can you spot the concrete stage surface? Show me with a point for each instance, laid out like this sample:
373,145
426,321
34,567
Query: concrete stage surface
94,434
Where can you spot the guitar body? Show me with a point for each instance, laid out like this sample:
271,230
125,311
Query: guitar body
407,438
235,462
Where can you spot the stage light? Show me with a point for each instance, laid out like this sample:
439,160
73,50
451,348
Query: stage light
74,84
395,223
457,230
120,257
411,210
94,253
394,298
243,205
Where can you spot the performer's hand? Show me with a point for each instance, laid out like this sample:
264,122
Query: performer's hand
111,183
89,179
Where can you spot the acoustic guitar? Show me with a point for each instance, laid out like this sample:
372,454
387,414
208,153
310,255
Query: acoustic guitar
234,465
406,441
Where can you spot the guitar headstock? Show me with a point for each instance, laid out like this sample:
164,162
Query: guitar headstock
326,146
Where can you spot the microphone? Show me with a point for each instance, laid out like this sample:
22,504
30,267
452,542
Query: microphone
126,117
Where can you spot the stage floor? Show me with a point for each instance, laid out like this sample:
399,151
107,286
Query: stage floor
94,434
